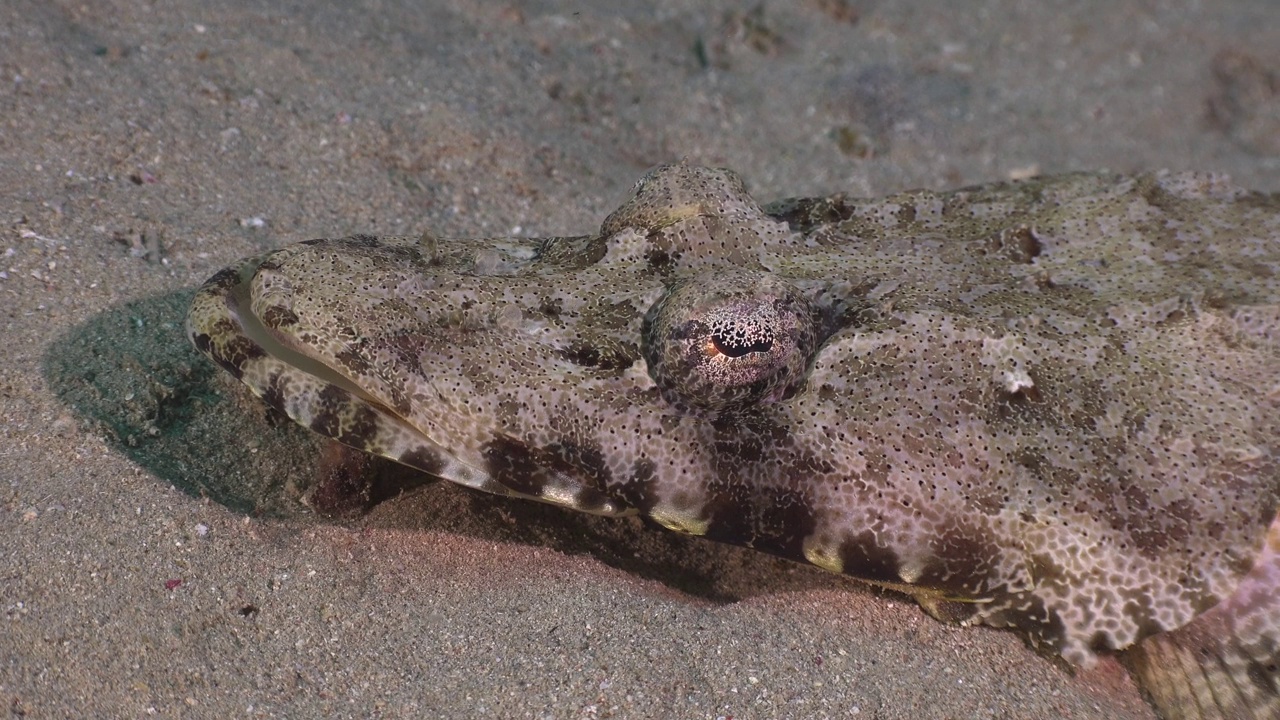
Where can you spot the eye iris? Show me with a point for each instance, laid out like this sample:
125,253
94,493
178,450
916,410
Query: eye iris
736,346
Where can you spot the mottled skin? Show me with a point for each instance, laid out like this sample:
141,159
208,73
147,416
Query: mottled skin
1052,405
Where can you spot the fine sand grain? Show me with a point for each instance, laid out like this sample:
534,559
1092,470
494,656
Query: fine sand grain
156,559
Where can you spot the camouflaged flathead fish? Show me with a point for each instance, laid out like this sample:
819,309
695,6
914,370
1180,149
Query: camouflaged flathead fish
1051,405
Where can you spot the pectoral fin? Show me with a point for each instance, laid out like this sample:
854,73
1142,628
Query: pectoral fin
1226,663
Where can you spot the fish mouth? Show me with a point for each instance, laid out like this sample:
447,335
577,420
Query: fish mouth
274,346
320,397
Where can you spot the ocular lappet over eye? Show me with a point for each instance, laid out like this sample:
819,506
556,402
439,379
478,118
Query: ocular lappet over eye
723,340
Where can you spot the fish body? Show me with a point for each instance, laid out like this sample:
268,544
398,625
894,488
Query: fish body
1050,405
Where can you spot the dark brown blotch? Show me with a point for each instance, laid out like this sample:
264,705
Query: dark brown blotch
1019,244
354,362
237,352
550,308
747,439
1139,607
964,561
405,348
334,405
580,461
772,520
741,507
224,278
424,459
514,465
278,317
610,356
862,557
527,470
351,481
804,214
205,344
1265,676
202,342
274,392
640,491
1027,613
661,261
906,213
1024,404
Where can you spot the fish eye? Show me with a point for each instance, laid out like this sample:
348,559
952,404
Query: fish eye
723,340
